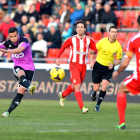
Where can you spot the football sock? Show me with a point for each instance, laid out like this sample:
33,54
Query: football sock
23,81
68,91
121,106
16,101
101,97
78,96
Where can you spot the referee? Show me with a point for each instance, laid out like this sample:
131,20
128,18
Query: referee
107,48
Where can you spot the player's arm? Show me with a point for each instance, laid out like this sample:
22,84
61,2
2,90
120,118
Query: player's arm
127,58
22,46
92,52
65,45
2,46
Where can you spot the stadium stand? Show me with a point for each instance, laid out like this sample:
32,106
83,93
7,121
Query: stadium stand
126,23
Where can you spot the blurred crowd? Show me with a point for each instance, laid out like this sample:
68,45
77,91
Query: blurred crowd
48,23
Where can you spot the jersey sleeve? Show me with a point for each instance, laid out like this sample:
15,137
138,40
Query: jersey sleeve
3,45
23,44
130,49
92,45
119,52
99,44
66,44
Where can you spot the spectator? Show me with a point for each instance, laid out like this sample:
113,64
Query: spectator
40,22
66,2
77,14
96,16
67,32
28,37
24,21
91,4
102,2
1,15
119,3
65,16
37,5
25,31
41,30
52,23
55,9
10,3
32,12
5,25
18,15
45,8
78,1
53,38
108,19
87,18
32,25
39,48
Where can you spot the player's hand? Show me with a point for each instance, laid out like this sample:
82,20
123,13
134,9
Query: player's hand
3,50
90,51
111,66
57,62
91,65
115,74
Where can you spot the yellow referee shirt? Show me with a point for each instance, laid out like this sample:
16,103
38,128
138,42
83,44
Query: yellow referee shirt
107,51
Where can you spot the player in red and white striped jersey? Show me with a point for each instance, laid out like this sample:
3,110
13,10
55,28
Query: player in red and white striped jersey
80,46
132,82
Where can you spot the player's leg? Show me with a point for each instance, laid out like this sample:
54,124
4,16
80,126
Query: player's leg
96,79
102,94
62,95
21,90
121,104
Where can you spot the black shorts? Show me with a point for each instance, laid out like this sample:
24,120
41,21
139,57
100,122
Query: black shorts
101,72
29,74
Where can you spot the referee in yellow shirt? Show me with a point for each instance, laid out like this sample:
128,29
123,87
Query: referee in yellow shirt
107,48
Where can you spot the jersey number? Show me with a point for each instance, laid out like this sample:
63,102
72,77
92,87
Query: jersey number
20,55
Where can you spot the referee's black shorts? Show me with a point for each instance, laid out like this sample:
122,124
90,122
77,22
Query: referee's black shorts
101,72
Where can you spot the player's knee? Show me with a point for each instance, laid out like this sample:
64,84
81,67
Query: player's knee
77,87
104,87
20,73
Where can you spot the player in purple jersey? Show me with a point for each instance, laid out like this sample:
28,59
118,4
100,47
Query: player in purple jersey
20,50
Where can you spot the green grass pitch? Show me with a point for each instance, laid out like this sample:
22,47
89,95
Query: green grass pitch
47,120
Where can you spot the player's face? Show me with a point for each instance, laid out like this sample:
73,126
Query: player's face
113,33
13,37
80,29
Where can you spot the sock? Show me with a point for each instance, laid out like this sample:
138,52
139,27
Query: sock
68,91
101,97
24,81
121,106
15,102
78,96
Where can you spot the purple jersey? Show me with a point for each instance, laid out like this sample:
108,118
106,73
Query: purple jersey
23,59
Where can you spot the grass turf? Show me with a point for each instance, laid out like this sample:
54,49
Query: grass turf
47,120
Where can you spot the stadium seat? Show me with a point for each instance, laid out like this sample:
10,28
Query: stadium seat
134,24
130,35
121,37
96,36
65,56
120,16
46,21
126,23
105,34
130,15
13,6
52,54
133,3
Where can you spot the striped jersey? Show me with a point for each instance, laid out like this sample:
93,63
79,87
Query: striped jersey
133,47
78,48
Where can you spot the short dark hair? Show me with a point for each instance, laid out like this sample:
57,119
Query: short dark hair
12,30
80,21
112,28
138,20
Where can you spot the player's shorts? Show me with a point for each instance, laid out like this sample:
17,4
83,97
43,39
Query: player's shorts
29,74
133,84
77,73
101,72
